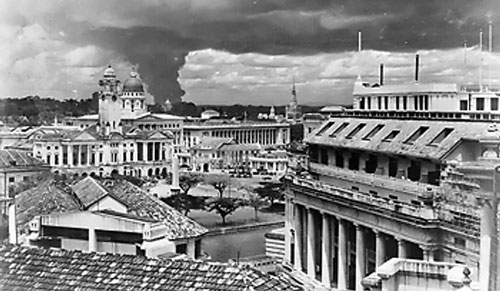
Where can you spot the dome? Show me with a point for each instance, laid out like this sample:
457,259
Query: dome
133,84
109,72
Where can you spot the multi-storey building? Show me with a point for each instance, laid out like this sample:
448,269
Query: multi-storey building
243,132
122,138
388,180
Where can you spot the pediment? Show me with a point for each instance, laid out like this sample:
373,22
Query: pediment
158,135
84,136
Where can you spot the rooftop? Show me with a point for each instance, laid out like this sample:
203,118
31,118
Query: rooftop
417,138
408,88
49,198
13,159
54,269
212,143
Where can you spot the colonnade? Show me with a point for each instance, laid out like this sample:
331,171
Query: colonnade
335,251
263,136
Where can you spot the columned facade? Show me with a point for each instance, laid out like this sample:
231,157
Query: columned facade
336,252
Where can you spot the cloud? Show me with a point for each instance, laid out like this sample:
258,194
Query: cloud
70,41
218,77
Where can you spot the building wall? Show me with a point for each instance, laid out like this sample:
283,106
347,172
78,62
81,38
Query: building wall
13,177
108,203
107,247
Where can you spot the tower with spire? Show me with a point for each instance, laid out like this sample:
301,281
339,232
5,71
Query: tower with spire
293,113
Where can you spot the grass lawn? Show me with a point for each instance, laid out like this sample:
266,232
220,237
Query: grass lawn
242,216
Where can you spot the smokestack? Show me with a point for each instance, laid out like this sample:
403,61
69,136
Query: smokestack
381,74
359,40
416,67
490,50
481,61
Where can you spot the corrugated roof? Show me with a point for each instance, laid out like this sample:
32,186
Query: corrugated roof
53,269
408,88
421,147
18,159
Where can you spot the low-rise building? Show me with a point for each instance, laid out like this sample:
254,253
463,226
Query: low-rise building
106,216
17,166
54,269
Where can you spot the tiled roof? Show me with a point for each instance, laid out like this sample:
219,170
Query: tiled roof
89,191
46,198
422,147
25,268
140,203
18,159
241,147
143,204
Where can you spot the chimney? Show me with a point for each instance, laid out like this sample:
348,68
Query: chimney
381,74
416,67
12,223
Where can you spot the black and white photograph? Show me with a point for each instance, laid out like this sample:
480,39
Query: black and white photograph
254,145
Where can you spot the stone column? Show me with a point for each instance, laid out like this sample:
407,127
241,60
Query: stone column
298,238
428,254
311,245
342,256
360,257
88,154
92,240
379,248
288,228
326,252
401,248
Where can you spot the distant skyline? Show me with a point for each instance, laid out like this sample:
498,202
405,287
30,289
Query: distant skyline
240,51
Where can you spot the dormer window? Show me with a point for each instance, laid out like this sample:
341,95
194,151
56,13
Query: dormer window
374,131
391,136
325,128
356,130
339,129
417,134
441,136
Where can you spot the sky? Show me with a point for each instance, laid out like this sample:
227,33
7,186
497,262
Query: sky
242,51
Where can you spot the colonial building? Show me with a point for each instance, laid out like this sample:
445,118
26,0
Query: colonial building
400,176
112,216
123,138
265,133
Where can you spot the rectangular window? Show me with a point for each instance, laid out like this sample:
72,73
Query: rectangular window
339,129
362,103
494,104
405,102
441,136
356,130
379,98
369,103
26,178
459,241
12,179
479,104
415,102
325,128
48,159
391,136
386,102
418,133
464,106
374,131
124,156
397,102
181,249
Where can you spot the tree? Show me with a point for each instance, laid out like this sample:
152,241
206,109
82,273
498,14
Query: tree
256,202
223,206
184,203
271,191
188,181
219,181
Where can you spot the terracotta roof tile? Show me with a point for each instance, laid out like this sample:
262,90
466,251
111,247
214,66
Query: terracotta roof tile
18,159
24,268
